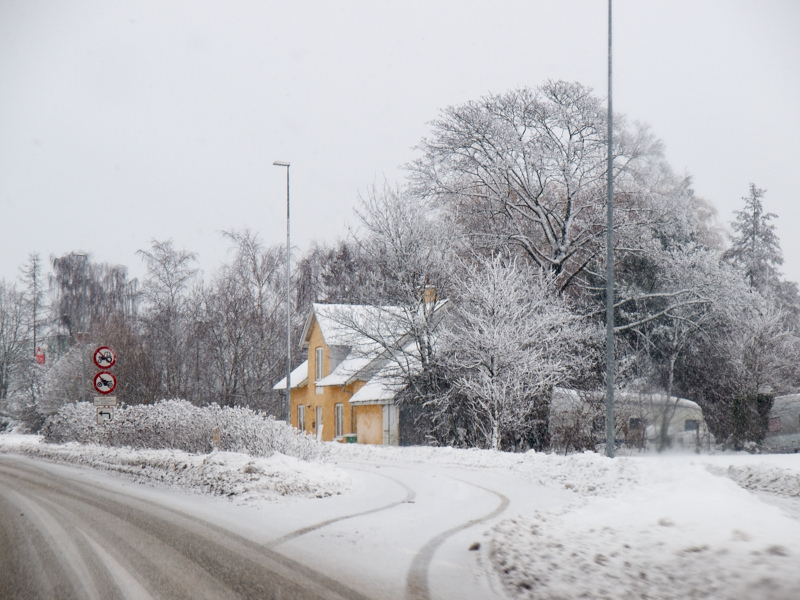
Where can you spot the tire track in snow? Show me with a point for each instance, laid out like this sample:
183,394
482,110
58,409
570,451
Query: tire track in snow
417,579
410,495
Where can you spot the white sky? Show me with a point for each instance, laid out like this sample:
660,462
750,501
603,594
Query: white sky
126,121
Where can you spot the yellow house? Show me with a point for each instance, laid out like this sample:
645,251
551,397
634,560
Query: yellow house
356,357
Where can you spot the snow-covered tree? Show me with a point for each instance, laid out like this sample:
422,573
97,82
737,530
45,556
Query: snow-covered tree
14,342
755,246
509,341
241,326
527,169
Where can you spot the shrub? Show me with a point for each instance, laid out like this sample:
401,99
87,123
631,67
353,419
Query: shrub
178,424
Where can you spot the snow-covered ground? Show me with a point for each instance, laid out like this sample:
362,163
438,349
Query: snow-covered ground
581,526
231,474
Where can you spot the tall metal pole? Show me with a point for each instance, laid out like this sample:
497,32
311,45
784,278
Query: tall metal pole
280,163
83,324
610,442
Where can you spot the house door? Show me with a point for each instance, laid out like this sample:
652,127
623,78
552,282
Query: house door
319,423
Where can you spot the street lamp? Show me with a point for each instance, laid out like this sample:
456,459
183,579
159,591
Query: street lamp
610,430
83,322
281,163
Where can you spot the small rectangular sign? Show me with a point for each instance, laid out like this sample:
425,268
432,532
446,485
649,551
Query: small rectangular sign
105,400
104,414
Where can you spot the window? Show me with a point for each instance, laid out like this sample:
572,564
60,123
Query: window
691,425
339,421
301,417
319,363
774,424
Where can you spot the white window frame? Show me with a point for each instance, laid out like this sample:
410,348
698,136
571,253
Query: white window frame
338,421
301,417
319,363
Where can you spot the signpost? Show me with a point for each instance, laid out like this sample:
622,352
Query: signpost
105,382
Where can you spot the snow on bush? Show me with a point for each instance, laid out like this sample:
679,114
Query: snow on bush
179,425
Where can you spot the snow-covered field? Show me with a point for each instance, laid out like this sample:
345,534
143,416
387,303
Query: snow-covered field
676,526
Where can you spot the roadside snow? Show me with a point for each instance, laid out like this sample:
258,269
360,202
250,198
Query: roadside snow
657,527
586,474
673,531
237,476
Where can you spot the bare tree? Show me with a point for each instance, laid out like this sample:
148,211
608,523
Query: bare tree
242,324
14,340
166,318
527,168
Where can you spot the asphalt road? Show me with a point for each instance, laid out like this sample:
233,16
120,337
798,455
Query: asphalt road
63,536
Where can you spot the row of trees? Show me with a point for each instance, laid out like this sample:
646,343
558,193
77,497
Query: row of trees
176,335
502,213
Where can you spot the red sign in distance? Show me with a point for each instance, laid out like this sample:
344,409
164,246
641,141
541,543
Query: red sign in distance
105,382
104,357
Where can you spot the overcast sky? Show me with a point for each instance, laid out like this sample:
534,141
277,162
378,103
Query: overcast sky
125,121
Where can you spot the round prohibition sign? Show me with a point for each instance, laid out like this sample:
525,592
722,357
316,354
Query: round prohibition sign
104,357
105,382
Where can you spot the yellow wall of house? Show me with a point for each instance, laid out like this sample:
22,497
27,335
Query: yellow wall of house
329,397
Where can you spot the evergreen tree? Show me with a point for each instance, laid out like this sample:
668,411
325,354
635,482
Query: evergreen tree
755,247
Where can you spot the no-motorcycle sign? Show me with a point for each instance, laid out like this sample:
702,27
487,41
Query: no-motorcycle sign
105,382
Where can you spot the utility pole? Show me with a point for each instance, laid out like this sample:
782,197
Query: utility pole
610,442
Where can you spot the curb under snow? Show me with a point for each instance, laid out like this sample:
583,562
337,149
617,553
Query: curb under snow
227,474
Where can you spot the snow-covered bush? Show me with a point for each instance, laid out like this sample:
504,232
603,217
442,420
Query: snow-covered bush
178,424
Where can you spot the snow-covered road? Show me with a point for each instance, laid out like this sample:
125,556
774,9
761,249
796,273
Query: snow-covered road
401,532
405,523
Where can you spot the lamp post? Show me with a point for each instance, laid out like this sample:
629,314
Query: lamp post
83,323
281,163
610,442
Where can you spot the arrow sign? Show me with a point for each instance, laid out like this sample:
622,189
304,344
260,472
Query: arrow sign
105,382
104,357
104,415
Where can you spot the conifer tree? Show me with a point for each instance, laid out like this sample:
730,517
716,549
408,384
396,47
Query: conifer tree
755,247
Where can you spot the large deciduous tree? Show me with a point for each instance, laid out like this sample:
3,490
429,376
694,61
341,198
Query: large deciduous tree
528,169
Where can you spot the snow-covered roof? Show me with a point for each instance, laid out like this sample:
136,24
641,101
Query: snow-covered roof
299,378
346,370
355,324
367,336
382,388
563,397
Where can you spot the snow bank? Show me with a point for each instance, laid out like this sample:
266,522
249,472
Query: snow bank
179,425
230,474
585,474
763,477
672,531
